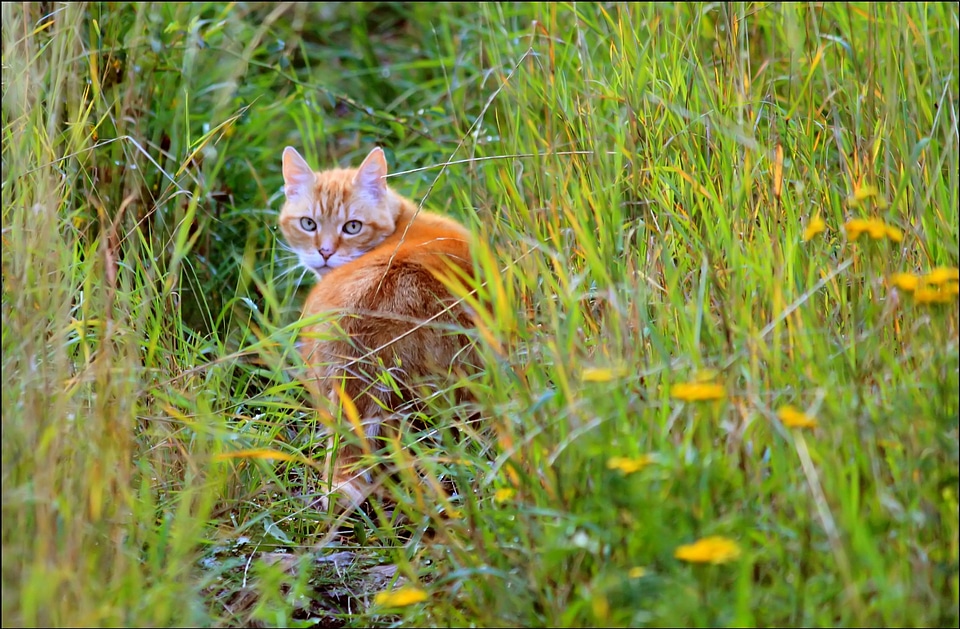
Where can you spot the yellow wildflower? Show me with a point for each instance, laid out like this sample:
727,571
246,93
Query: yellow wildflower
629,466
697,391
939,286
504,494
854,227
793,418
905,281
602,374
933,296
892,233
637,572
814,227
942,275
715,550
873,227
876,229
400,597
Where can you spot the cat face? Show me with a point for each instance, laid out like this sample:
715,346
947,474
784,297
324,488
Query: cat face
335,216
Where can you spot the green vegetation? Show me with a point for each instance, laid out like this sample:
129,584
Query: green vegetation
642,180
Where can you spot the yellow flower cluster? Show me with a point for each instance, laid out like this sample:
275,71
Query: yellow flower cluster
697,391
793,418
603,374
627,465
715,550
939,286
400,597
875,228
942,275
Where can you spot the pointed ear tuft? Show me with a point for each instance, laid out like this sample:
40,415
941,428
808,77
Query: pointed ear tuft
298,177
371,176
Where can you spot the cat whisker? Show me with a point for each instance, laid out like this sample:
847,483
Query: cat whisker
290,262
285,272
293,268
287,254
302,275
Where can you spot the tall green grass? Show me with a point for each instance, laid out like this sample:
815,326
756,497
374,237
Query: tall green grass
639,178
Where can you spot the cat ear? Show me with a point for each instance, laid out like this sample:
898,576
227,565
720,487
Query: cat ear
298,177
371,176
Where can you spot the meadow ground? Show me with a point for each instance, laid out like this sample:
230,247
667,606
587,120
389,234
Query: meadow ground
717,242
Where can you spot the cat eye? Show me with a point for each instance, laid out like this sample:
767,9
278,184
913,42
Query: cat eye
308,224
352,227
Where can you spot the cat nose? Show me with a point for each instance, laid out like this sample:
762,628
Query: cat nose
325,252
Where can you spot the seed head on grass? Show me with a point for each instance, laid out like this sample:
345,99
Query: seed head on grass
862,193
697,391
401,597
714,550
628,465
793,418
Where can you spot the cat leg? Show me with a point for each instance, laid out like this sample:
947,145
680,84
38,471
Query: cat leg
350,467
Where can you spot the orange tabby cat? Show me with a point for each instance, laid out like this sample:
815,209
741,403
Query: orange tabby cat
378,259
